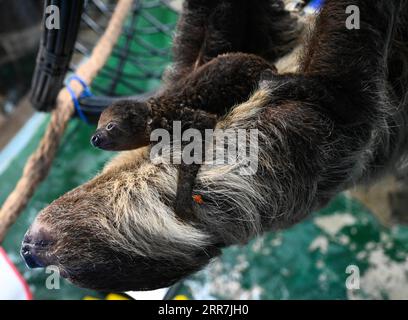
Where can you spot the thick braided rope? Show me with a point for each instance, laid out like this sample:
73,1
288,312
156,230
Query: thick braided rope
39,163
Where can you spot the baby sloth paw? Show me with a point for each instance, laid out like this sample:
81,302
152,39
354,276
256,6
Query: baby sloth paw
184,203
185,212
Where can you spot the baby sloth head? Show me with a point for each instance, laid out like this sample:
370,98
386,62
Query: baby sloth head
123,126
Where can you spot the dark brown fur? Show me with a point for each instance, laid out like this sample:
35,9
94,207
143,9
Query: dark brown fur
208,28
195,100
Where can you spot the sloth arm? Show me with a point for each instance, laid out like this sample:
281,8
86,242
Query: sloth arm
187,173
209,28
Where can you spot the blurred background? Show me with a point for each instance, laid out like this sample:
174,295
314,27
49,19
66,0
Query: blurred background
361,227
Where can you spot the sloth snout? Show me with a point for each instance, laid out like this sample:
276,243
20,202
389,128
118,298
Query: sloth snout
35,246
96,140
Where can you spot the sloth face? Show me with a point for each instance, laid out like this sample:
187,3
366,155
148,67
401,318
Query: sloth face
123,126
112,235
90,262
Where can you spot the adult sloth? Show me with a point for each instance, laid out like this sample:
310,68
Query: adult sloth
339,120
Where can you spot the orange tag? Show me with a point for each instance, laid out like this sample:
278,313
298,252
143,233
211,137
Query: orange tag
198,199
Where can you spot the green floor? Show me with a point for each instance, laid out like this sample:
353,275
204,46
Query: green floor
308,261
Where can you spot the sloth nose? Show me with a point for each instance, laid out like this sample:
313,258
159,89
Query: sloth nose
96,140
34,248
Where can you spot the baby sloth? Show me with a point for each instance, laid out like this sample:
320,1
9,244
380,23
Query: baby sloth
197,101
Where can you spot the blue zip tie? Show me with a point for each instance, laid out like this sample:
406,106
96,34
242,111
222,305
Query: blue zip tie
85,93
316,4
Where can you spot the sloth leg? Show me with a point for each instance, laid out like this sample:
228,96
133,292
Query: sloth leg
272,31
190,35
226,30
184,197
187,173
209,28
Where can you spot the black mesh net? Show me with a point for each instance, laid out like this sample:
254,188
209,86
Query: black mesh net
142,52
135,66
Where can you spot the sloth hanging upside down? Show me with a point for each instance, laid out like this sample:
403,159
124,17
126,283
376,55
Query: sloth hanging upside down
340,119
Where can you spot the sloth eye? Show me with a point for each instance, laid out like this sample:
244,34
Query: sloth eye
110,126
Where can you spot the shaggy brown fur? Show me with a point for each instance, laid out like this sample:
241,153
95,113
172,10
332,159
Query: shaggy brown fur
206,30
196,101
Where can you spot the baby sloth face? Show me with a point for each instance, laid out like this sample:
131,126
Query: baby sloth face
123,126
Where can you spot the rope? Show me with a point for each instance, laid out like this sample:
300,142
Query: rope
39,163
